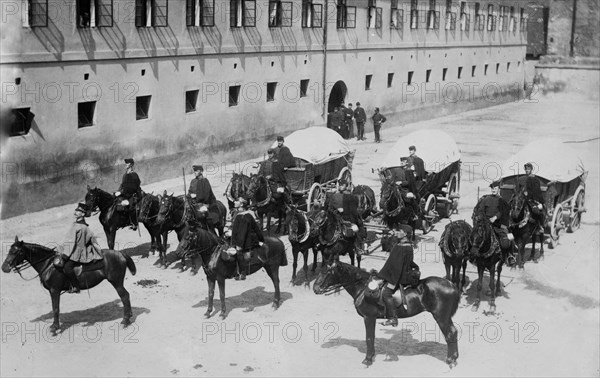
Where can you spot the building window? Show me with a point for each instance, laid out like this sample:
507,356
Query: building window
410,76
459,75
473,68
368,79
94,13
280,14
444,72
397,16
465,16
151,13
479,19
142,107
191,101
433,17
414,14
427,75
491,24
242,13
375,16
523,20
234,95
200,13
390,80
271,91
20,124
85,114
304,87
312,14
346,16
485,68
37,13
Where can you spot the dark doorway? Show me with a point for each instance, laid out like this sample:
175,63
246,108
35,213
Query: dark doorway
337,95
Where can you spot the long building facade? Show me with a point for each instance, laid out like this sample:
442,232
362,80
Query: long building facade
88,83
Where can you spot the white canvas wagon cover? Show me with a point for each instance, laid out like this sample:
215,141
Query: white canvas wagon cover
316,145
437,149
551,159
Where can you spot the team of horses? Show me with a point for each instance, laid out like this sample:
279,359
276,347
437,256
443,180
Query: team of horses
319,229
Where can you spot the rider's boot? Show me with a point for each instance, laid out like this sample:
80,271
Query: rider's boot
390,306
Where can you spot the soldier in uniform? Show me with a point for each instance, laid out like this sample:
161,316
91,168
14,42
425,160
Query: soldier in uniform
345,203
245,235
532,188
395,273
378,119
284,155
417,163
201,194
81,246
497,210
130,191
361,117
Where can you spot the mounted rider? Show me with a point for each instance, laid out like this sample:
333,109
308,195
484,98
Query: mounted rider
129,192
202,197
284,155
272,170
532,189
245,235
345,204
396,273
81,246
494,208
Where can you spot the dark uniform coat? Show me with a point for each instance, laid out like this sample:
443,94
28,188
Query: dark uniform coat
203,191
81,245
533,187
130,185
397,266
492,205
419,165
245,233
284,155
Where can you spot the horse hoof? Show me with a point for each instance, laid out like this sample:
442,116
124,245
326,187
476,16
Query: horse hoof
368,361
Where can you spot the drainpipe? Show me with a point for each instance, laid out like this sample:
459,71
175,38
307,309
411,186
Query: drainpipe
573,19
325,60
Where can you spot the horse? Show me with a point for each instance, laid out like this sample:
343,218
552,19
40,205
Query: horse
433,294
367,205
455,247
236,189
524,228
207,247
330,228
302,238
97,199
173,214
259,191
486,254
22,255
395,211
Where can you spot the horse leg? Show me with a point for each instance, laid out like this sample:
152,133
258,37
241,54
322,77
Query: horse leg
273,272
450,334
55,296
370,339
211,296
221,282
480,270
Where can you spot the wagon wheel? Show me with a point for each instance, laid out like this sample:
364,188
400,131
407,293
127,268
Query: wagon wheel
429,214
577,207
451,196
316,196
556,226
346,175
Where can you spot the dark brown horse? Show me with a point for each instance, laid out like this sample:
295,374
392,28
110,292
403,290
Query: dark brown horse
111,220
330,228
524,228
455,246
486,254
266,202
302,238
206,248
236,189
116,263
433,294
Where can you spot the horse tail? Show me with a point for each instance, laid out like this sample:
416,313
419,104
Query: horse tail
130,263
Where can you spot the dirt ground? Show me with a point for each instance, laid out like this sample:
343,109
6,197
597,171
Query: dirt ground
546,322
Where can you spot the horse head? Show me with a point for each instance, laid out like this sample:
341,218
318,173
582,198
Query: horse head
15,256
